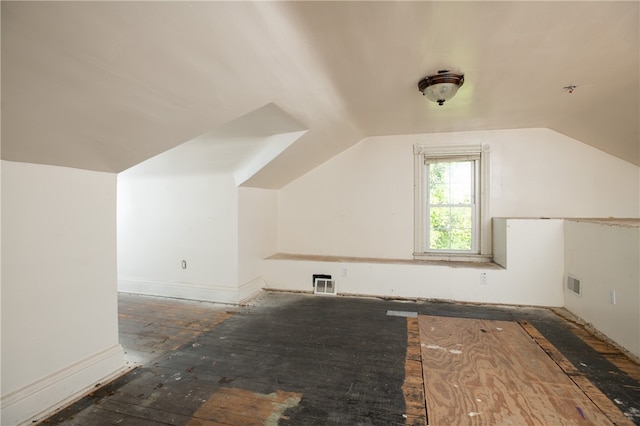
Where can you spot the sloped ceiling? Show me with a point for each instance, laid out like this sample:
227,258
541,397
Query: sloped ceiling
106,85
241,147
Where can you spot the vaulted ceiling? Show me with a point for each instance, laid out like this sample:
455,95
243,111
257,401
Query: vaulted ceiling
106,85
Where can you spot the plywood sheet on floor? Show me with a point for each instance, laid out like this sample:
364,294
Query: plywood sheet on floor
491,372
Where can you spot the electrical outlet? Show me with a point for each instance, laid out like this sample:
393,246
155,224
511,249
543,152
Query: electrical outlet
345,272
483,278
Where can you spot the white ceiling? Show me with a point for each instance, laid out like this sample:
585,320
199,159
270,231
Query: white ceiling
240,147
106,85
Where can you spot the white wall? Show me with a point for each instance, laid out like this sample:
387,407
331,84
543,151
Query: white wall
541,173
257,236
499,241
163,220
606,257
59,298
360,203
221,231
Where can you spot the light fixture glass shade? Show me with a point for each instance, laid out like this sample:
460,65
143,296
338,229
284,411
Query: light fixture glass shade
441,87
441,92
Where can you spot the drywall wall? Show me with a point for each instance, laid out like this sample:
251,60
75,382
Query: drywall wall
1,393
59,296
185,228
605,257
360,203
499,241
533,276
165,220
257,236
219,230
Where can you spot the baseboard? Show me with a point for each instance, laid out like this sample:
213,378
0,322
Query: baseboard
212,293
40,399
250,289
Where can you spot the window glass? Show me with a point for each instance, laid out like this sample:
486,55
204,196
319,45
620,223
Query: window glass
450,205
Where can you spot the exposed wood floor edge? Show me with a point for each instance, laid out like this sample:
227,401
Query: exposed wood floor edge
413,387
587,329
417,300
601,401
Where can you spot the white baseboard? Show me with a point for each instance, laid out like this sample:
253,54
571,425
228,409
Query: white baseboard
250,289
208,293
42,398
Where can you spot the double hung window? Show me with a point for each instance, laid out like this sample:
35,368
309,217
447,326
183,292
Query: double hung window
450,201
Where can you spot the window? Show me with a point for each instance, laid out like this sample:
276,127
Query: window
451,202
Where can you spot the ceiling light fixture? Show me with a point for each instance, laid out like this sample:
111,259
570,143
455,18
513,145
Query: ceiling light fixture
442,86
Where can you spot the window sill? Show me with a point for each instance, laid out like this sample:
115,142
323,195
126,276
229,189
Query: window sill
454,257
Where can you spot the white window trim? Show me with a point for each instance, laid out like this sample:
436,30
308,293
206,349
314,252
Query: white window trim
483,231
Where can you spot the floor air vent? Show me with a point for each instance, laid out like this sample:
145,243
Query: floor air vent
324,286
573,284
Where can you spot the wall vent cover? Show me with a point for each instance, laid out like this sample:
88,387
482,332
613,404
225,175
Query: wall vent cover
573,284
324,286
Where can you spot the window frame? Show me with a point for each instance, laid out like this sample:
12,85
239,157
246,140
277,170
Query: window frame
473,204
481,250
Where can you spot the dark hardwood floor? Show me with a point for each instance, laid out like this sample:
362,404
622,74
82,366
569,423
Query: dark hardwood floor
298,359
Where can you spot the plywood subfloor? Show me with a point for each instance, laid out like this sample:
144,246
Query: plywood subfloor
491,372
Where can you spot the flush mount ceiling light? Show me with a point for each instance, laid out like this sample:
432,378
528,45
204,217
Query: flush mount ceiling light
442,86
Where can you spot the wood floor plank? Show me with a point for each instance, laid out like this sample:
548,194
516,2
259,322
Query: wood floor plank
242,407
413,387
492,372
152,326
614,355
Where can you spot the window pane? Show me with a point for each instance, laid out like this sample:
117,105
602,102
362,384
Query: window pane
439,172
461,217
451,205
439,194
461,178
440,228
439,183
460,193
440,217
439,240
461,171
461,239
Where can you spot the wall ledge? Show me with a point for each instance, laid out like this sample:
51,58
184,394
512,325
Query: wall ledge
353,259
627,222
623,222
